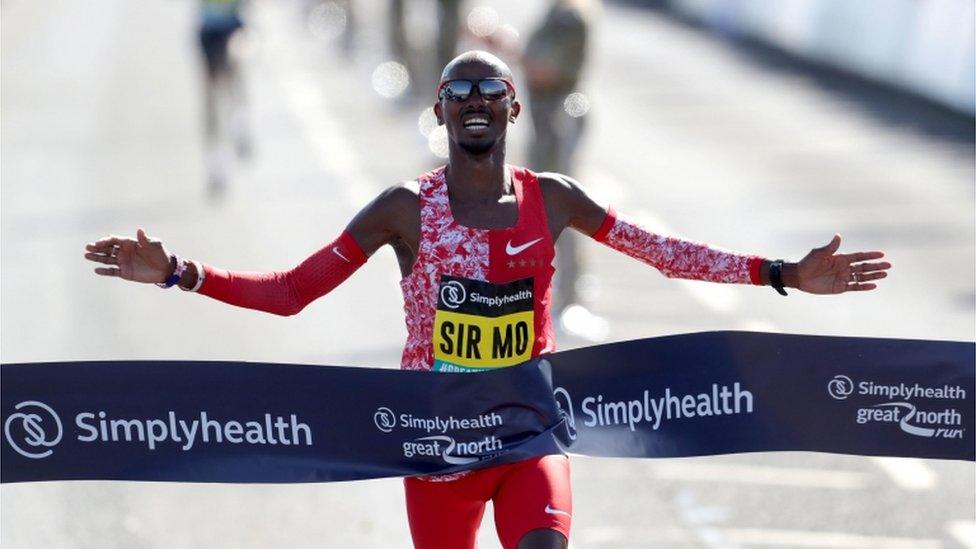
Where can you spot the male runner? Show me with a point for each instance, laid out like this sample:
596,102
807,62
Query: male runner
479,227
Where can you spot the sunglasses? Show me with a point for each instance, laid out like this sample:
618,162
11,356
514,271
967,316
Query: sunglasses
490,89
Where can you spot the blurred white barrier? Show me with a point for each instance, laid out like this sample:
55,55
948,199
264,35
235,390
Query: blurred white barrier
926,47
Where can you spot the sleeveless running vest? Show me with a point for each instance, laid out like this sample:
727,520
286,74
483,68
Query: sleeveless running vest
478,298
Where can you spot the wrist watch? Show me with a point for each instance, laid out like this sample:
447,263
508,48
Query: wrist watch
776,276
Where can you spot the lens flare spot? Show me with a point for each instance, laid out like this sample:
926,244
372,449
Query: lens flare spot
327,21
482,21
576,104
507,36
437,141
427,121
390,79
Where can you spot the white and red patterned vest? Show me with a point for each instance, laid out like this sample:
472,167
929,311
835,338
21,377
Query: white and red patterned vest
478,298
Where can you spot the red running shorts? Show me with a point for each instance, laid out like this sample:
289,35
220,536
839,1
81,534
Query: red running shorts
527,495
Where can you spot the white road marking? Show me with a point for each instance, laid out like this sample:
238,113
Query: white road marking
908,473
714,538
635,535
822,540
701,520
760,474
964,531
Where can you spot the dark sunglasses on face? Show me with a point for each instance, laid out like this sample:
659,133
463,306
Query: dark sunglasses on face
490,89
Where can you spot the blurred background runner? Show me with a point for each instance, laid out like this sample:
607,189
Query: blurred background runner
225,103
554,59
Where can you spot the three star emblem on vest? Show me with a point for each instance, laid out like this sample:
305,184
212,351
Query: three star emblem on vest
513,250
525,263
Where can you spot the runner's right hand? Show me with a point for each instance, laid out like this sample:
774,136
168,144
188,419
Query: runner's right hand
141,259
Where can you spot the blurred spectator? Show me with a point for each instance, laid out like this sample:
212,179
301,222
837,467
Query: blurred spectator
224,99
448,27
445,47
399,46
554,59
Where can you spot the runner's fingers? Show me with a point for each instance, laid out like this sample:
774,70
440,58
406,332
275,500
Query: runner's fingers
107,243
863,256
92,250
871,276
102,258
97,247
105,271
871,267
865,272
859,287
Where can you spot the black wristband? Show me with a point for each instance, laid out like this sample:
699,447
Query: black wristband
776,276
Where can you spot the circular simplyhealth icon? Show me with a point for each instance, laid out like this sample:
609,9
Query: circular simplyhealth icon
385,419
34,430
840,387
453,294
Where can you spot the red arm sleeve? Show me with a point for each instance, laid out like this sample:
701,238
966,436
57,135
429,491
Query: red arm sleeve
677,258
287,292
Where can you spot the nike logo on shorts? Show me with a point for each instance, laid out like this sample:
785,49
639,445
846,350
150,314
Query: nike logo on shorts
338,253
551,511
515,250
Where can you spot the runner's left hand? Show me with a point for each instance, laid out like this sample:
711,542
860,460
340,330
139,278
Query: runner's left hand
824,271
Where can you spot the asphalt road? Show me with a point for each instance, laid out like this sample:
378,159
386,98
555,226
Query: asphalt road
101,119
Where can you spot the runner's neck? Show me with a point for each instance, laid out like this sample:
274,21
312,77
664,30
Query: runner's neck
478,180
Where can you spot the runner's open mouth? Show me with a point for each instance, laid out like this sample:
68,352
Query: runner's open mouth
475,122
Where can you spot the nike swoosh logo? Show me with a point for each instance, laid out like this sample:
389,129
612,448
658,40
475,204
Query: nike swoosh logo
338,253
515,250
552,511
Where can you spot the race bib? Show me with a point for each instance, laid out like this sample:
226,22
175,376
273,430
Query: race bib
480,325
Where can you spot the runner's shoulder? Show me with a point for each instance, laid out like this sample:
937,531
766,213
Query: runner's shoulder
400,199
398,209
559,187
569,204
393,216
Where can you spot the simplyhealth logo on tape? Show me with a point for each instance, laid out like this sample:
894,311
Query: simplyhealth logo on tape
35,429
600,412
936,420
445,444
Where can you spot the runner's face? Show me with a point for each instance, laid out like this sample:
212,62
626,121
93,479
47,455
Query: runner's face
462,117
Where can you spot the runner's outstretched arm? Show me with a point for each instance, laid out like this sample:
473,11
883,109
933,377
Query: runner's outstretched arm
822,271
146,260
